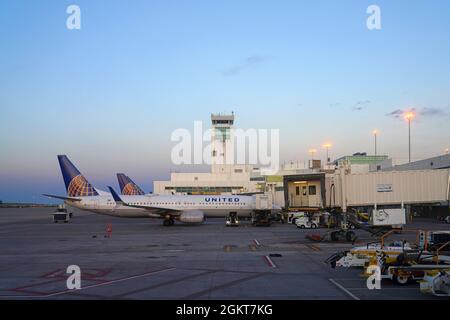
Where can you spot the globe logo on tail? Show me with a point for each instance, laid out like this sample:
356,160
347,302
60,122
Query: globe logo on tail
131,189
79,187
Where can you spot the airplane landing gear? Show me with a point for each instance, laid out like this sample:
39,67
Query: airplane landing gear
168,222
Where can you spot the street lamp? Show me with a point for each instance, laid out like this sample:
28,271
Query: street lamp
375,133
409,116
327,146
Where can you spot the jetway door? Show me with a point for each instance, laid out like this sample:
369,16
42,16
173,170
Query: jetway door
299,196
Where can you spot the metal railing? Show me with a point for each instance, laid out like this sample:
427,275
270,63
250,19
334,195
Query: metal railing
439,249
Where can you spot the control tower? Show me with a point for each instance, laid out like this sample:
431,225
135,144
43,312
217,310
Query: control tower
222,143
226,176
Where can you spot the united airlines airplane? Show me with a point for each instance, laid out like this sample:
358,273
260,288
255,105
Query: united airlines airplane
184,208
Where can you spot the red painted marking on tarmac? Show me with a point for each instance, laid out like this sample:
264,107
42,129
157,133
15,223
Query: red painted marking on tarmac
112,281
102,282
270,262
87,274
60,274
25,289
314,247
51,274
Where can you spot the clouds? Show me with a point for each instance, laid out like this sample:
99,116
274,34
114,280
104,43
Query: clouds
248,63
432,112
396,113
335,104
359,105
423,112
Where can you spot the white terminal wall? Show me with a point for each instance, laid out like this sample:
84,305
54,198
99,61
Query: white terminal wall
409,187
207,180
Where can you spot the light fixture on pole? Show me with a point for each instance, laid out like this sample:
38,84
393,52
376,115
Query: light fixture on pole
312,151
375,133
409,116
327,146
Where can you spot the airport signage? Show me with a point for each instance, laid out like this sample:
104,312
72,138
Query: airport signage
385,188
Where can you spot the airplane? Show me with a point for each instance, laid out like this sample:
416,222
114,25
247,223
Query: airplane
128,187
190,209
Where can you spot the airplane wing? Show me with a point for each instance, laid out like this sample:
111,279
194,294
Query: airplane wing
61,197
157,210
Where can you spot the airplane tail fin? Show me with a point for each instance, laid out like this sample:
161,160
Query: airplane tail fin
127,186
115,196
76,184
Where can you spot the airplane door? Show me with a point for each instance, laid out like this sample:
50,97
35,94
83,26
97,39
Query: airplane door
296,197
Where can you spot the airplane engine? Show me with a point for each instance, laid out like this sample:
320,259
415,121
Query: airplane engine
192,217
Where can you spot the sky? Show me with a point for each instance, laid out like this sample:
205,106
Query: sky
110,94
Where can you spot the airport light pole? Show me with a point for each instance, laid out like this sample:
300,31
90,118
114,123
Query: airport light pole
375,133
312,151
327,146
409,116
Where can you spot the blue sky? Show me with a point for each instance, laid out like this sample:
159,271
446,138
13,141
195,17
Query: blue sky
110,94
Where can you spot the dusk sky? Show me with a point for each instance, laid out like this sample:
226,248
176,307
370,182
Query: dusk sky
109,95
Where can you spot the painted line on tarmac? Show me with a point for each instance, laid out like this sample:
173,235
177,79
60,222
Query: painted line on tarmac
89,287
158,285
270,262
114,281
222,286
343,289
256,242
384,288
314,247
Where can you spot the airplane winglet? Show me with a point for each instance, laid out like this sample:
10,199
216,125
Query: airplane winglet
115,196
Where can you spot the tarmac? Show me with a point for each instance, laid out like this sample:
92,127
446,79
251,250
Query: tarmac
144,260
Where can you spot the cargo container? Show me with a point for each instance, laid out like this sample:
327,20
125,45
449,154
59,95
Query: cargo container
388,217
264,202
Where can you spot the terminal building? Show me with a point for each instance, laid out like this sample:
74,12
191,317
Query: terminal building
439,162
359,183
353,181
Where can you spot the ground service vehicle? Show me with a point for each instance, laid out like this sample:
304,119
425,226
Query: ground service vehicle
61,215
232,220
307,223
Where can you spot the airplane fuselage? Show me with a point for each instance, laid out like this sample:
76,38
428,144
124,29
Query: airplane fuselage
211,206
